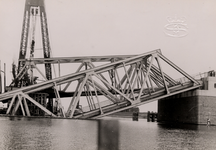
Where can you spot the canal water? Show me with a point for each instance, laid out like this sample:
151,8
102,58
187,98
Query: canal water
67,134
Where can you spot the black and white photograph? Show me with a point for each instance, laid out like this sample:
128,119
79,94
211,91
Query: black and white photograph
107,75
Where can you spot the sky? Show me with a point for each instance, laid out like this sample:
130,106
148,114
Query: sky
184,30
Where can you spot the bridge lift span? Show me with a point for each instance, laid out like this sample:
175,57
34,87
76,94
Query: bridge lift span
105,89
94,89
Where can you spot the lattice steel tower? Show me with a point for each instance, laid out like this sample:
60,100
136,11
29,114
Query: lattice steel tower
34,14
34,11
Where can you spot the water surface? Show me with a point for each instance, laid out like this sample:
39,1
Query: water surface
68,134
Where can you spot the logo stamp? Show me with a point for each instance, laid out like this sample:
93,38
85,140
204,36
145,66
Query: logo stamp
176,27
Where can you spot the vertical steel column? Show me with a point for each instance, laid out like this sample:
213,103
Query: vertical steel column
4,77
24,37
45,39
24,40
46,47
59,69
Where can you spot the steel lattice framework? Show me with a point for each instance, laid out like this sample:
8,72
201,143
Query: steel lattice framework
124,82
94,89
33,9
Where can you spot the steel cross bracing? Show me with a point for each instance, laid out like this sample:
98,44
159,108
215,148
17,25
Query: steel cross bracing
105,89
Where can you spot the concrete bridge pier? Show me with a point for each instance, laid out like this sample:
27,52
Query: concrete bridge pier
193,107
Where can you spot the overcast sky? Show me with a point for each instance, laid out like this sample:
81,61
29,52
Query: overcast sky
113,27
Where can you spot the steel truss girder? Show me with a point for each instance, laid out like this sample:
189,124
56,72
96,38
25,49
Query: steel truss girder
126,83
19,99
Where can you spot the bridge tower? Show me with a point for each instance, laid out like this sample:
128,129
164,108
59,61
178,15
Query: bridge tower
34,9
34,14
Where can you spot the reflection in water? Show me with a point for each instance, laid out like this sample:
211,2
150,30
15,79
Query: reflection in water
125,134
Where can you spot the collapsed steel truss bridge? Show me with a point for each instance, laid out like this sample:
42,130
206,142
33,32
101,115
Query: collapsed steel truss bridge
101,85
94,91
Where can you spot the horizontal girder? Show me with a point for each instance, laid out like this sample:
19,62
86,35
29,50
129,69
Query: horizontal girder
56,60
